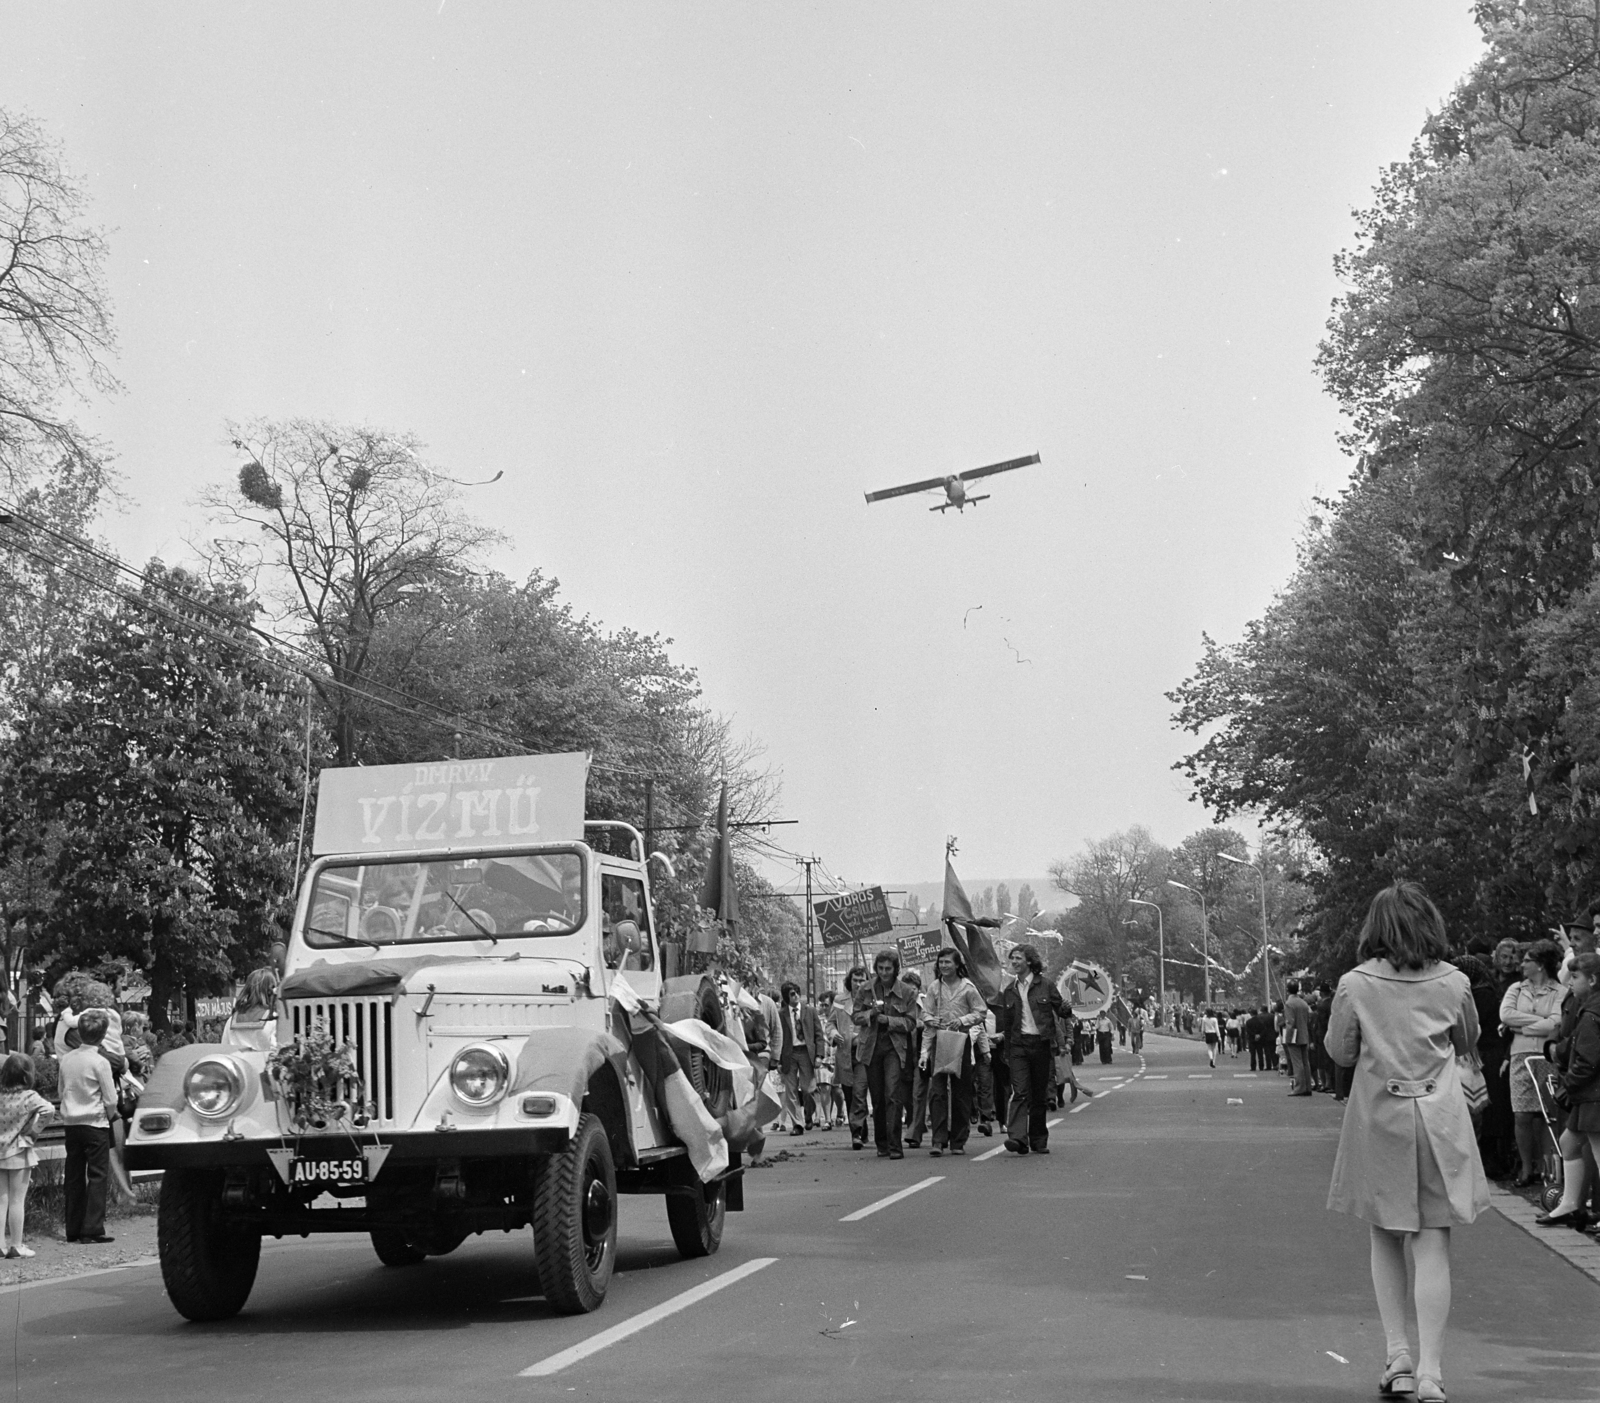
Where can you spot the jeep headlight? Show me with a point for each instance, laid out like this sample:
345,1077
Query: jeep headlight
214,1086
480,1074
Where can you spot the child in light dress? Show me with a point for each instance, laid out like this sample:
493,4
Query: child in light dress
22,1113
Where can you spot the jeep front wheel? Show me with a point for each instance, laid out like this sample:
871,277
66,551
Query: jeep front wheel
207,1264
696,1219
575,1221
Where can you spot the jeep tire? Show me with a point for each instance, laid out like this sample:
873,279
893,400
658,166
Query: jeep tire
696,1218
575,1221
207,1264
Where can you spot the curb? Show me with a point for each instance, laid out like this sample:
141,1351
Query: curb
1581,1251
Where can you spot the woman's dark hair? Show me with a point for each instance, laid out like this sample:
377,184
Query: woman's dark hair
1031,956
1548,955
950,950
17,1073
1479,972
1587,963
1404,927
259,990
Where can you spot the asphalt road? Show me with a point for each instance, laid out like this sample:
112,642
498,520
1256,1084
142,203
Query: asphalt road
1172,1246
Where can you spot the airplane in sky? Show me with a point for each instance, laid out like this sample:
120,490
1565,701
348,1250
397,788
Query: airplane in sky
954,487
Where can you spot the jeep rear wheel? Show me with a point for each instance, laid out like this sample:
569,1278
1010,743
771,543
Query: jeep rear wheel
393,1249
207,1264
696,1219
575,1221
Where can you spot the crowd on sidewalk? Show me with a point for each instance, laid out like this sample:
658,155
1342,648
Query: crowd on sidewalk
898,1063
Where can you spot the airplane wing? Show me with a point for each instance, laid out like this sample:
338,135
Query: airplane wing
909,488
993,468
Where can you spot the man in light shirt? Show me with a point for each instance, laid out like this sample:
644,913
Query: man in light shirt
88,1102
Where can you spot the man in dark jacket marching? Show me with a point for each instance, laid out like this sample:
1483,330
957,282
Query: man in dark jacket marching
885,1012
1032,1022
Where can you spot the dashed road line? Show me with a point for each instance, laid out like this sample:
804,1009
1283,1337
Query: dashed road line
1241,1076
595,1343
872,1208
1155,1076
1200,1076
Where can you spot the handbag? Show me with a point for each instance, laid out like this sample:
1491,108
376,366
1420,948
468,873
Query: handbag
1473,1085
949,1051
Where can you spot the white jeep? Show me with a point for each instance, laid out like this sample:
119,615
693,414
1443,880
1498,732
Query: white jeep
480,1066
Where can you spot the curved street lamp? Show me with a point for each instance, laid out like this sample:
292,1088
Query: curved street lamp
1205,931
1266,958
1161,941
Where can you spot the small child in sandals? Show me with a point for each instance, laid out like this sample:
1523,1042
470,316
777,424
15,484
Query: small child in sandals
22,1112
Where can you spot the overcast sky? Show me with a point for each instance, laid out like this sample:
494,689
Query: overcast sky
698,276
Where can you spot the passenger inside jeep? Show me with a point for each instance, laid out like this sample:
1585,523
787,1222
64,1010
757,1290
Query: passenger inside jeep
624,926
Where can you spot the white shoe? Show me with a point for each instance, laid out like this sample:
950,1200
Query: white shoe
20,1251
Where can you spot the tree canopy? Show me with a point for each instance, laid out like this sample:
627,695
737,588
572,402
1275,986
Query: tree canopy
1418,699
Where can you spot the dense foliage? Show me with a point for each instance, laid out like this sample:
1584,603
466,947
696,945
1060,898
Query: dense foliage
1419,700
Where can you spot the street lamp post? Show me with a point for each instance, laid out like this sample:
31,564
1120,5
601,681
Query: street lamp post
1266,958
1205,931
1161,942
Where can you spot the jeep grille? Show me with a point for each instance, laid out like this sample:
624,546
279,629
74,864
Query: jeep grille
367,1025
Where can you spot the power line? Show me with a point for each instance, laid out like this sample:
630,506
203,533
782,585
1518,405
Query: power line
309,667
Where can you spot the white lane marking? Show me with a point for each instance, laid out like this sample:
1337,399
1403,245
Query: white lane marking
1001,1149
1155,1076
1240,1076
644,1320
1074,1111
872,1208
1199,1076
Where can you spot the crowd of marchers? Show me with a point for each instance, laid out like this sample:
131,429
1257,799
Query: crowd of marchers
899,1060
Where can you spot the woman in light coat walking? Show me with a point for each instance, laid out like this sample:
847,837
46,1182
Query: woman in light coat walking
1408,1161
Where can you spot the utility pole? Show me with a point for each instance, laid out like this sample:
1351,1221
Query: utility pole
649,817
811,946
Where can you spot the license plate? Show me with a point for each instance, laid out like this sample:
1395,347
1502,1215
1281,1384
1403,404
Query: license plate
328,1172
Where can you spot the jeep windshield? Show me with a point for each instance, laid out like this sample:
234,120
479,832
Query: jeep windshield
512,895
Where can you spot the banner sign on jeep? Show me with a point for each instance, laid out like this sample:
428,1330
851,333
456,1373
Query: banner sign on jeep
857,915
505,803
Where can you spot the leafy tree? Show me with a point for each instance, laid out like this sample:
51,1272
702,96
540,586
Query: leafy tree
55,319
162,786
1104,877
1027,904
1002,900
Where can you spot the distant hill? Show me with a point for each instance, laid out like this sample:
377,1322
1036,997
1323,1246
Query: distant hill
1049,897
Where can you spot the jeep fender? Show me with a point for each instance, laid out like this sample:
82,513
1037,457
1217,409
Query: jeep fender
165,1087
580,1062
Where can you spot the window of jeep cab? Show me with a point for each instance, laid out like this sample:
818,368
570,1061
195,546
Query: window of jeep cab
625,923
495,896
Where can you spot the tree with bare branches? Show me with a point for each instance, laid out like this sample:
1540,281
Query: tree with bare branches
55,318
337,528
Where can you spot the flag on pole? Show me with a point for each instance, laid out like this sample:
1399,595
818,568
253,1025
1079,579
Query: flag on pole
718,890
968,935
